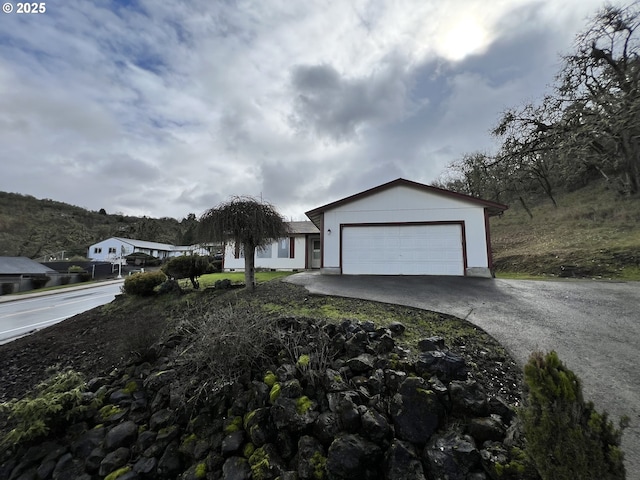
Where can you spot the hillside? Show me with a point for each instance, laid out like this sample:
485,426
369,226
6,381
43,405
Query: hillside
34,228
593,232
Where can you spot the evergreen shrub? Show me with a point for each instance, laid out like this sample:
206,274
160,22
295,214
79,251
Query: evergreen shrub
566,438
55,400
143,284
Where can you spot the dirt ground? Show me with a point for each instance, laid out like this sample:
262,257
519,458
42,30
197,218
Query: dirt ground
91,342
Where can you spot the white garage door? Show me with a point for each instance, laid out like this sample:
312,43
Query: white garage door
402,250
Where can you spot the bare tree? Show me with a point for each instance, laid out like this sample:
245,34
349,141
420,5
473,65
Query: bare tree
247,222
591,121
599,89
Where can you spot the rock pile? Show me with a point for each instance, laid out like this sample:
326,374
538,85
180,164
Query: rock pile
347,403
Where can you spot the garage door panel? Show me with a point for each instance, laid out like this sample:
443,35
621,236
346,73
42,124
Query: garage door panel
403,250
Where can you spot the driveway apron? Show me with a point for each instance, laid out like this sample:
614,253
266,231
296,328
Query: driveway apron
594,326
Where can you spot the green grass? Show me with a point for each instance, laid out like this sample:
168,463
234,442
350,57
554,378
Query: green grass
593,229
235,278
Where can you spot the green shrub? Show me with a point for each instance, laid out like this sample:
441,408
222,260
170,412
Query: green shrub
75,269
57,398
168,287
65,279
7,288
144,283
186,266
215,266
566,437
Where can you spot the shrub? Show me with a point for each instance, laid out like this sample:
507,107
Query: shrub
215,266
57,398
226,344
75,269
143,284
186,266
566,437
65,279
39,282
7,288
169,286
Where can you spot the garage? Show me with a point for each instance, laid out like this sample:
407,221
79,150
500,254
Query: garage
402,250
406,228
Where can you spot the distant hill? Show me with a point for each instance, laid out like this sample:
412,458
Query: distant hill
36,228
593,232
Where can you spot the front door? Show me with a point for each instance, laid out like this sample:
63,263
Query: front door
315,253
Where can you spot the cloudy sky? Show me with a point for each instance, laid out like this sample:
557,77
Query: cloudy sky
169,107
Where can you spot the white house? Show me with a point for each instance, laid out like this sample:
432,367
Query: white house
300,250
406,228
114,248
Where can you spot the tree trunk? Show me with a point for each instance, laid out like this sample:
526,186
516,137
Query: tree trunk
249,267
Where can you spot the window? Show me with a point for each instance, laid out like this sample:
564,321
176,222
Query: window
97,250
286,247
263,252
112,250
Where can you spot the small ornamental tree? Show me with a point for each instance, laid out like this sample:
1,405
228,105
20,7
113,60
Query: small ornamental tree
566,438
186,266
248,223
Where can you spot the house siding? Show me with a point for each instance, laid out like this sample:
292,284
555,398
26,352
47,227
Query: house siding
297,246
403,204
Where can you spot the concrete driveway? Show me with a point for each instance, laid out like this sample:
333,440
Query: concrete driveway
594,327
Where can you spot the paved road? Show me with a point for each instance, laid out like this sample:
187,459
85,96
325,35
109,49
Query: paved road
594,327
23,314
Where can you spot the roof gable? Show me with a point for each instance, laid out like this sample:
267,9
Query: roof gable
493,208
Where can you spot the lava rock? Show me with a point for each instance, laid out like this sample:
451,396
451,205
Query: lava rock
354,458
402,463
451,456
121,435
416,411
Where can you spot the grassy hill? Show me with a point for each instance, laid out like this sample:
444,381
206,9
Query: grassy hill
593,232
33,228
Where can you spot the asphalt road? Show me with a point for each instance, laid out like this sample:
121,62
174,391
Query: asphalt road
594,327
23,314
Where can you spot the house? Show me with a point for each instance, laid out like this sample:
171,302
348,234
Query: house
300,250
115,248
406,228
22,273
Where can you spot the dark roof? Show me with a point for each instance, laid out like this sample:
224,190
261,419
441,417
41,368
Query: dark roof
22,266
302,228
494,208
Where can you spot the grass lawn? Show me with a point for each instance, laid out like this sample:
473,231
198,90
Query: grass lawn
235,277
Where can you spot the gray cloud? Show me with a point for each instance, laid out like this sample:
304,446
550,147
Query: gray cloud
160,110
332,106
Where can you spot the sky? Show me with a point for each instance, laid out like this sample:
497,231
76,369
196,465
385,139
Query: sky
163,108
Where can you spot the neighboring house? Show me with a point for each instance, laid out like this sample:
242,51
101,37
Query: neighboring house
20,271
300,250
406,228
115,248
